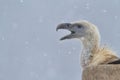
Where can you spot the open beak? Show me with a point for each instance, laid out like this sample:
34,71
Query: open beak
66,26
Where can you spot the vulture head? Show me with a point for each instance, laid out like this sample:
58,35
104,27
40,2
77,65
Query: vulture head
80,30
92,53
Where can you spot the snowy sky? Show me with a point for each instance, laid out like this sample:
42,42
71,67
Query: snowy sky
29,44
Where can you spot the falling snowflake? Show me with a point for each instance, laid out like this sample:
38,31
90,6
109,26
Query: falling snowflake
38,39
69,52
73,48
116,17
21,1
26,42
44,54
104,11
14,25
40,20
3,38
87,6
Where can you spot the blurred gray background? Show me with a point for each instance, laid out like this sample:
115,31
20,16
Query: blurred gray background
29,44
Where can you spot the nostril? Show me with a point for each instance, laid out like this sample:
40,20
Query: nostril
68,24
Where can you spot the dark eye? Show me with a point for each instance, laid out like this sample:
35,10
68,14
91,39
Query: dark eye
79,26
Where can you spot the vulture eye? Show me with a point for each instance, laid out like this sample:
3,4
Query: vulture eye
79,26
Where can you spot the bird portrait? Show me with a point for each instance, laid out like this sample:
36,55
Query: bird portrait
93,53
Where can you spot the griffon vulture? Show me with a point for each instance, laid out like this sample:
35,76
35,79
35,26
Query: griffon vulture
92,53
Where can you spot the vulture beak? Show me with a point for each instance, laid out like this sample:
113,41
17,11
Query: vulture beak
63,26
66,26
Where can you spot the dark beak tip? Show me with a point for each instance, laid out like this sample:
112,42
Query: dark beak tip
61,39
63,26
57,28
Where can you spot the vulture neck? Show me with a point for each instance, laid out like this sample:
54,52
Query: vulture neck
90,47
